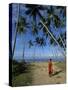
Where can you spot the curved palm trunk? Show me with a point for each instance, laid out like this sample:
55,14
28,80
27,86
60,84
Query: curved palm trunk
34,19
15,33
62,42
51,35
14,44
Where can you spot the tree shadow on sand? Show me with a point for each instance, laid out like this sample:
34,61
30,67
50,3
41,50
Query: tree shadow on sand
56,73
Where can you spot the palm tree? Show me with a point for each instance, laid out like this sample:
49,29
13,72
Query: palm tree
52,36
15,32
57,23
21,26
34,10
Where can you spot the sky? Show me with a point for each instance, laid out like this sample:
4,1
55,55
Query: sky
36,52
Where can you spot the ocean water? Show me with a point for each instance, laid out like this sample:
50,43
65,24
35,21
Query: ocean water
42,59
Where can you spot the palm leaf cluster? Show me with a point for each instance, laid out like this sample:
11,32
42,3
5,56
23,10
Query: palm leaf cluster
22,24
52,17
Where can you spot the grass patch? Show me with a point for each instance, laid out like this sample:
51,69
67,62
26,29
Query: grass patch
23,79
21,74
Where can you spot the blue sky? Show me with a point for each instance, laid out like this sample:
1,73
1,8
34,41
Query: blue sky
35,52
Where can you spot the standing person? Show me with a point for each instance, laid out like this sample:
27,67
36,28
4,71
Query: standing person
50,67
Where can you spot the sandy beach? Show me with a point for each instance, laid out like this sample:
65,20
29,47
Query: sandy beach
38,74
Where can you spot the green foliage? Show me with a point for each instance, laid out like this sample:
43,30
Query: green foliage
14,62
59,40
21,74
18,67
51,41
22,24
34,30
30,43
40,41
24,79
57,21
34,10
62,10
52,16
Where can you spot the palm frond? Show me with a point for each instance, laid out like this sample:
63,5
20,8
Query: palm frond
22,24
30,43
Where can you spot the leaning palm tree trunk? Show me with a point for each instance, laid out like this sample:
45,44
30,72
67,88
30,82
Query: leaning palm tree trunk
62,41
24,51
51,35
15,33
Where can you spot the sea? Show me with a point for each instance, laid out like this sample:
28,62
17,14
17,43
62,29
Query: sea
41,59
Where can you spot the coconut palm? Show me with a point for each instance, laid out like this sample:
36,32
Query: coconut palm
57,23
15,32
21,26
53,37
34,10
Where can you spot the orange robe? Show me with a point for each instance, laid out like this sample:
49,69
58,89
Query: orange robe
50,68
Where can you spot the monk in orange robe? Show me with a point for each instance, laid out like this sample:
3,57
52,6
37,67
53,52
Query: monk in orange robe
50,67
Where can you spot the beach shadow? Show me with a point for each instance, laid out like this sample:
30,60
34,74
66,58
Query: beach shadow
57,72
